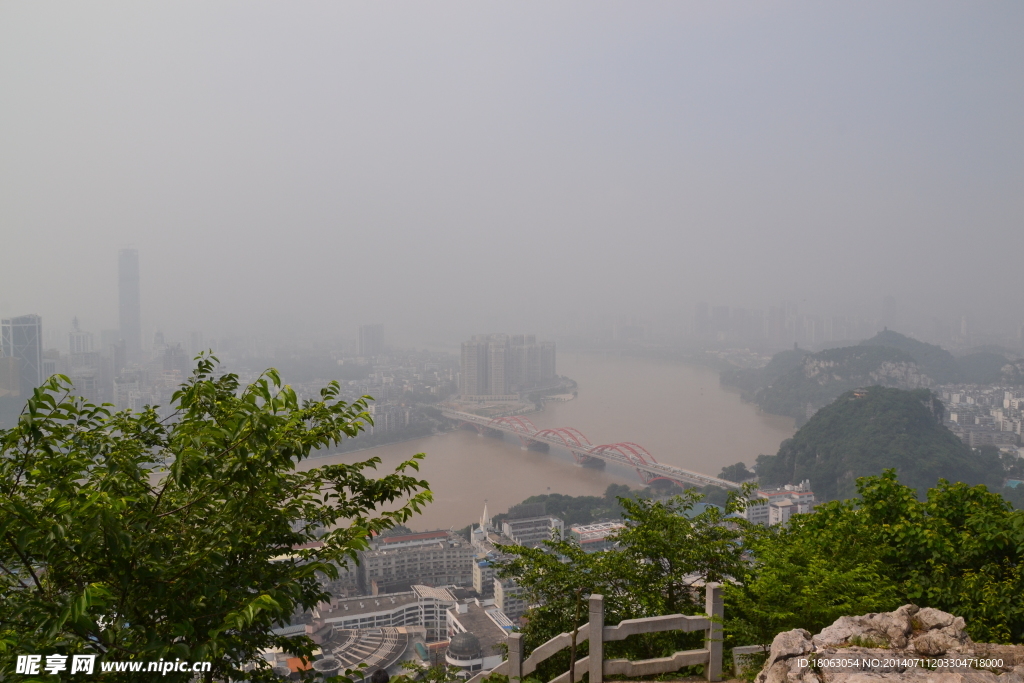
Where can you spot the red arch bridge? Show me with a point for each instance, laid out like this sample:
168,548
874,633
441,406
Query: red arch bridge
624,453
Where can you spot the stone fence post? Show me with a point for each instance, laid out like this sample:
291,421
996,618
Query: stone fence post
713,636
515,657
596,639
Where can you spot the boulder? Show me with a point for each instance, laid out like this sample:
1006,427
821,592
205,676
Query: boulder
908,645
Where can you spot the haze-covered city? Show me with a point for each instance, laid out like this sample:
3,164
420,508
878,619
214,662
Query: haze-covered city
396,341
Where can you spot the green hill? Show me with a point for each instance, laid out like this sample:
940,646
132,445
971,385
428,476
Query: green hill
752,380
1013,372
984,367
822,376
934,361
864,432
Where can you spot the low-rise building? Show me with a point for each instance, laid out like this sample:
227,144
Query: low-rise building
781,504
439,562
483,577
476,631
422,606
531,531
596,537
510,598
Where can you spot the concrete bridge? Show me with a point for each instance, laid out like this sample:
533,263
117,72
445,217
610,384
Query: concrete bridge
624,453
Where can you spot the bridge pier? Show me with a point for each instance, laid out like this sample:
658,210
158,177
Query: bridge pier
583,451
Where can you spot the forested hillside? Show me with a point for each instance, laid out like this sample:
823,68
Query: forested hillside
823,376
867,431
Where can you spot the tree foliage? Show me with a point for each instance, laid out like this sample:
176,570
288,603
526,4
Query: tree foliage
934,361
825,375
865,432
737,473
661,561
136,538
961,550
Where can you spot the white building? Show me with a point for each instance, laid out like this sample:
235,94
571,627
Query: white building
531,531
510,598
422,606
476,631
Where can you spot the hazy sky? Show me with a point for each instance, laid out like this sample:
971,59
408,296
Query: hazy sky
453,167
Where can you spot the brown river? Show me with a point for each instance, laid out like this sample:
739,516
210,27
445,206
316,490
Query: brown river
678,412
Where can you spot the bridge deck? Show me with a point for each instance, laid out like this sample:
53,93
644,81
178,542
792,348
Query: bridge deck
572,440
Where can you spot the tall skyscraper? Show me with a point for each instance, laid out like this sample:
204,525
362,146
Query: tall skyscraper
371,340
130,304
473,379
21,338
502,365
79,341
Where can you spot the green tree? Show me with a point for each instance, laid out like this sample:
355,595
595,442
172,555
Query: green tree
135,538
559,577
960,550
795,581
662,558
737,473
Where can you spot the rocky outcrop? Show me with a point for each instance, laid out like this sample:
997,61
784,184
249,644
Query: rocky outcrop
910,644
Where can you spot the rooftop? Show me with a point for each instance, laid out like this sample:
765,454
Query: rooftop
591,533
411,538
477,621
443,594
353,607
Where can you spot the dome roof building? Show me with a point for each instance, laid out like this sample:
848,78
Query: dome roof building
464,646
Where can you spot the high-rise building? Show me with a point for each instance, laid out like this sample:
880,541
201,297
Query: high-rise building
21,338
10,383
473,378
502,365
497,367
130,306
371,340
79,341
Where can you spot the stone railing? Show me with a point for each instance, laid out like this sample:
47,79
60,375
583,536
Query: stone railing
517,668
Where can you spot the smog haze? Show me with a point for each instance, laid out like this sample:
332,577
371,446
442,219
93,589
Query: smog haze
453,168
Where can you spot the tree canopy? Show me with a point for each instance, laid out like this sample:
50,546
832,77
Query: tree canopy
133,537
660,562
865,432
960,550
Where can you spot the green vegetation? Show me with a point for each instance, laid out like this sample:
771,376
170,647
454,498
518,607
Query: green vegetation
737,473
983,367
824,376
751,380
961,550
865,432
581,509
933,360
796,382
575,510
310,367
133,538
666,547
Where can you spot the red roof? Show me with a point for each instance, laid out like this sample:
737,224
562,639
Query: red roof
422,536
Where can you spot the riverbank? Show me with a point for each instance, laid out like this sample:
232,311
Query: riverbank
678,412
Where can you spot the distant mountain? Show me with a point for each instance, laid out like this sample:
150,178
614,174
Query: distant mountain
752,380
1013,372
796,382
984,367
866,431
821,377
934,361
